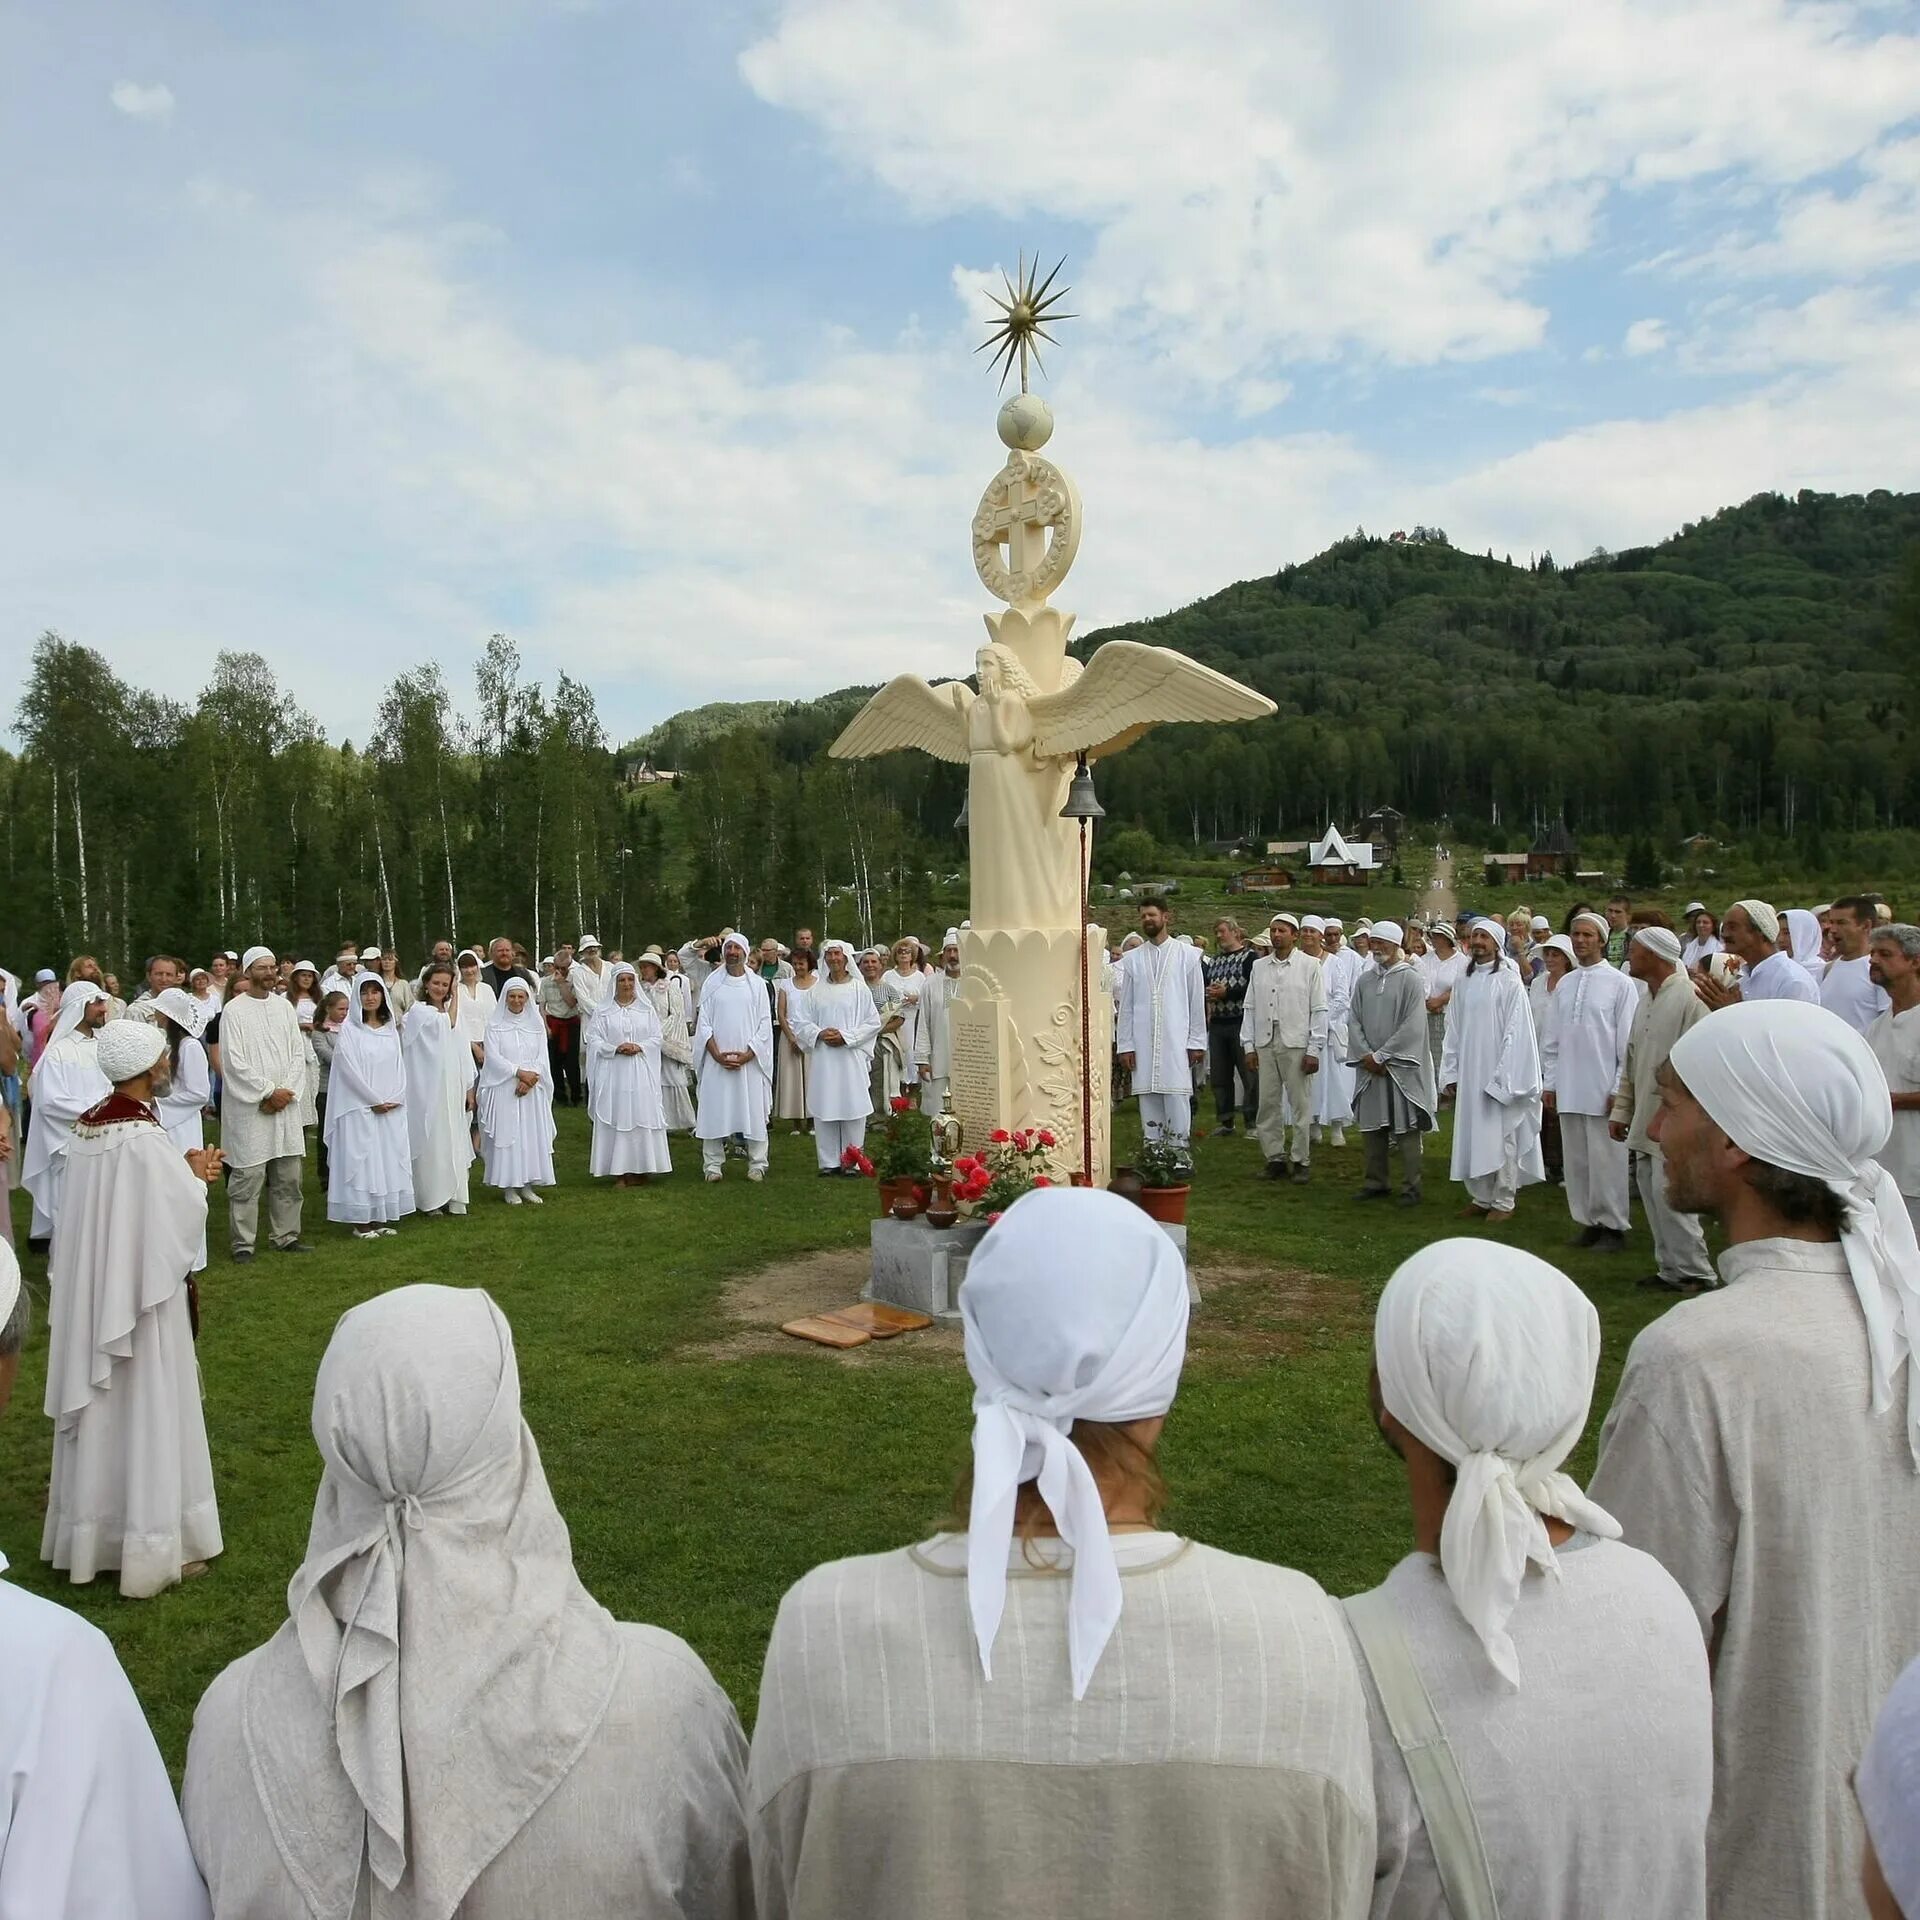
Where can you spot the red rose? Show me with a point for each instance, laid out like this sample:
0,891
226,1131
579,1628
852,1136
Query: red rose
992,1219
1047,1139
1041,1180
851,1157
1000,1136
900,1103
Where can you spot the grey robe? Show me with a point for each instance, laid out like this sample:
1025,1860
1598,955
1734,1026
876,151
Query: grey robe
1388,1019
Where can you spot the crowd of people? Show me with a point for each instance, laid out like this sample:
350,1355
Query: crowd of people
1687,1689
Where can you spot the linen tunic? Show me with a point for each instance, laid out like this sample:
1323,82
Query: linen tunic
262,1051
839,1079
1491,1058
1388,1019
1589,1020
1286,1004
66,1082
440,1073
623,1090
1333,1085
1895,1040
1162,1015
1740,1452
1779,977
735,1016
1662,1018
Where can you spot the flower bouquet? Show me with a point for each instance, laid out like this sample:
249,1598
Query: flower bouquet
987,1183
901,1160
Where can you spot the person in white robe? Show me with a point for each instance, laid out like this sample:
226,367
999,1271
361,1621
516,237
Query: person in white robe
1394,1102
903,975
622,1039
667,994
132,1483
1888,1788
440,1100
934,1060
88,1825
837,1025
1449,963
476,1001
1764,1442
1519,1613
1590,1020
1334,1085
369,1151
66,1082
733,1049
189,1090
514,1099
592,981
1802,941
1063,1708
303,995
263,1067
1163,1025
448,1722
789,1056
1491,1066
1895,1040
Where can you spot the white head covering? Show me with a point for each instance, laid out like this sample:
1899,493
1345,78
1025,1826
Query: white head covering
1291,919
1540,924
1805,930
1695,906
1561,944
951,938
406,1705
1763,917
75,999
1889,1787
1442,930
1589,918
587,942
1795,1086
1313,924
845,946
1333,924
1388,930
739,940
370,955
182,1009
128,1048
1131,941
1663,942
1099,1336
1487,1356
251,955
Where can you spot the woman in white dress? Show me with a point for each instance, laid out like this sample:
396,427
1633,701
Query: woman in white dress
622,1042
790,1069
303,995
183,1106
476,1002
440,1076
666,993
369,1158
908,983
515,1099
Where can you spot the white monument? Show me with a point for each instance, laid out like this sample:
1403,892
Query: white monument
1027,958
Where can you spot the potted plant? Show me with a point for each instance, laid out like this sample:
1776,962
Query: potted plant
900,1155
985,1184
1165,1169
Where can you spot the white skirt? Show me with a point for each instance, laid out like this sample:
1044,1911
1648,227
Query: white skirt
522,1156
629,1150
369,1168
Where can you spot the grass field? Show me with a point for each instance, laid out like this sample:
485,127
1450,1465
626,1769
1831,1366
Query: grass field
701,1474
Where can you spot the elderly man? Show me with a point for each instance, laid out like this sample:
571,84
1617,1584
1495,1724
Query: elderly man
1394,1099
935,1062
483,1737
1283,1026
132,1485
993,1722
88,1825
1514,1619
66,1082
263,1059
1162,1035
1491,1067
1764,1441
1895,1040
1668,1009
1750,931
1584,1051
587,974
338,978
733,1046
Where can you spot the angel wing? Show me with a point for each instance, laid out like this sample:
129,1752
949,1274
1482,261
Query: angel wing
1128,688
907,712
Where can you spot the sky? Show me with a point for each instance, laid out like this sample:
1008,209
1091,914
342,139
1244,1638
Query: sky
351,334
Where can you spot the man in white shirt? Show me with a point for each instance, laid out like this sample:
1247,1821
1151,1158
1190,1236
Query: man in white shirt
1163,1026
1764,1439
1895,1040
935,1056
1750,931
1518,1612
1584,1053
733,1055
1848,987
1283,1026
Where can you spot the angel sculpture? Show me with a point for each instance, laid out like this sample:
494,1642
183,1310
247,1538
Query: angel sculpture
1020,743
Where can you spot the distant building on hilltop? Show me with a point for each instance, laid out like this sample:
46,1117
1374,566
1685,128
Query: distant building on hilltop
643,773
1382,827
1336,861
1268,879
1555,855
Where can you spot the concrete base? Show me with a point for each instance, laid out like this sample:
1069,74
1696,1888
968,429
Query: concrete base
922,1268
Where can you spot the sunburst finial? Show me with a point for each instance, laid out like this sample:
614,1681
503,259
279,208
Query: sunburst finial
1030,308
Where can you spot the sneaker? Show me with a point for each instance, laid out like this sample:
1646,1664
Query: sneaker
711,1175
1224,1131
389,1233
512,1194
366,1233
531,1198
241,1254
757,1174
1338,1137
294,1246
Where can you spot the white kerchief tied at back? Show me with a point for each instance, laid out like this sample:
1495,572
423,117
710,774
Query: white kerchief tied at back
1075,1308
1795,1086
443,1667
1488,1356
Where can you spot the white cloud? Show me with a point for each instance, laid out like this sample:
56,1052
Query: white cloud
1644,337
153,103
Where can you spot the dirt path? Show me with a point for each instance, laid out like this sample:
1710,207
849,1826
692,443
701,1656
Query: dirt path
1440,902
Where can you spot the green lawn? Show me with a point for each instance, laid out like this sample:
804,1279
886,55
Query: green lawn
698,1488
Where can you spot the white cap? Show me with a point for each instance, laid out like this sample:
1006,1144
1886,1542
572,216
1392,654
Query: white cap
125,1049
370,953
1540,924
587,942
1388,930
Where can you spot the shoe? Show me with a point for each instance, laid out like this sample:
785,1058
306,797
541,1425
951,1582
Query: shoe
531,1198
711,1176
756,1174
1274,1170
1299,1176
512,1194
1611,1240
1409,1199
1338,1137
241,1254
1587,1237
366,1233
831,1173
1472,1211
1224,1131
294,1246
1373,1193
1499,1217
42,1245
1653,1283
389,1233
457,1209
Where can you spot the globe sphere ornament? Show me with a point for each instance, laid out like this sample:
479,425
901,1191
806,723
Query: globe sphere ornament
1025,423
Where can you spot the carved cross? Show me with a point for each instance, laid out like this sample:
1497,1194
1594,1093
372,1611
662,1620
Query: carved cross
1020,524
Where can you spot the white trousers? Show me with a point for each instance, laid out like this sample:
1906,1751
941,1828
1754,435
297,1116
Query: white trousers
1596,1172
1679,1247
831,1138
1492,1190
713,1155
1166,1113
1286,1100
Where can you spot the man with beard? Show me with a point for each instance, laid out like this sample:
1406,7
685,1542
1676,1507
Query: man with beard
1163,1031
1387,1045
936,1033
263,1058
733,1048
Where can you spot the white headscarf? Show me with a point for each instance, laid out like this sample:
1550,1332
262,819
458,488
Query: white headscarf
1051,1339
442,1667
1795,1086
1487,1356
74,1002
1889,1787
845,947
369,1068
1804,927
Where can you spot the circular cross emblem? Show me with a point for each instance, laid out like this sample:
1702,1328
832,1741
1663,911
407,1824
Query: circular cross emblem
1031,510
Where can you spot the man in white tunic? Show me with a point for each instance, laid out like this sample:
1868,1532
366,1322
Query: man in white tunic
1283,1029
1764,1439
838,1024
447,1721
1394,1102
1162,1036
935,1060
1895,1040
1333,1086
66,1082
733,1044
1063,1710
1522,1614
263,1066
88,1825
1669,1008
1491,1065
132,1486
622,1040
1589,1022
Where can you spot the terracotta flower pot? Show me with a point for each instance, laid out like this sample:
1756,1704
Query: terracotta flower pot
1165,1204
889,1191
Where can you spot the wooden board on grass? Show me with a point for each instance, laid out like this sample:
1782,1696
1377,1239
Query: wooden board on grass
825,1331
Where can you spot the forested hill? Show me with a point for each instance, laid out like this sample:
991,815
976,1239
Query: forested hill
1754,673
